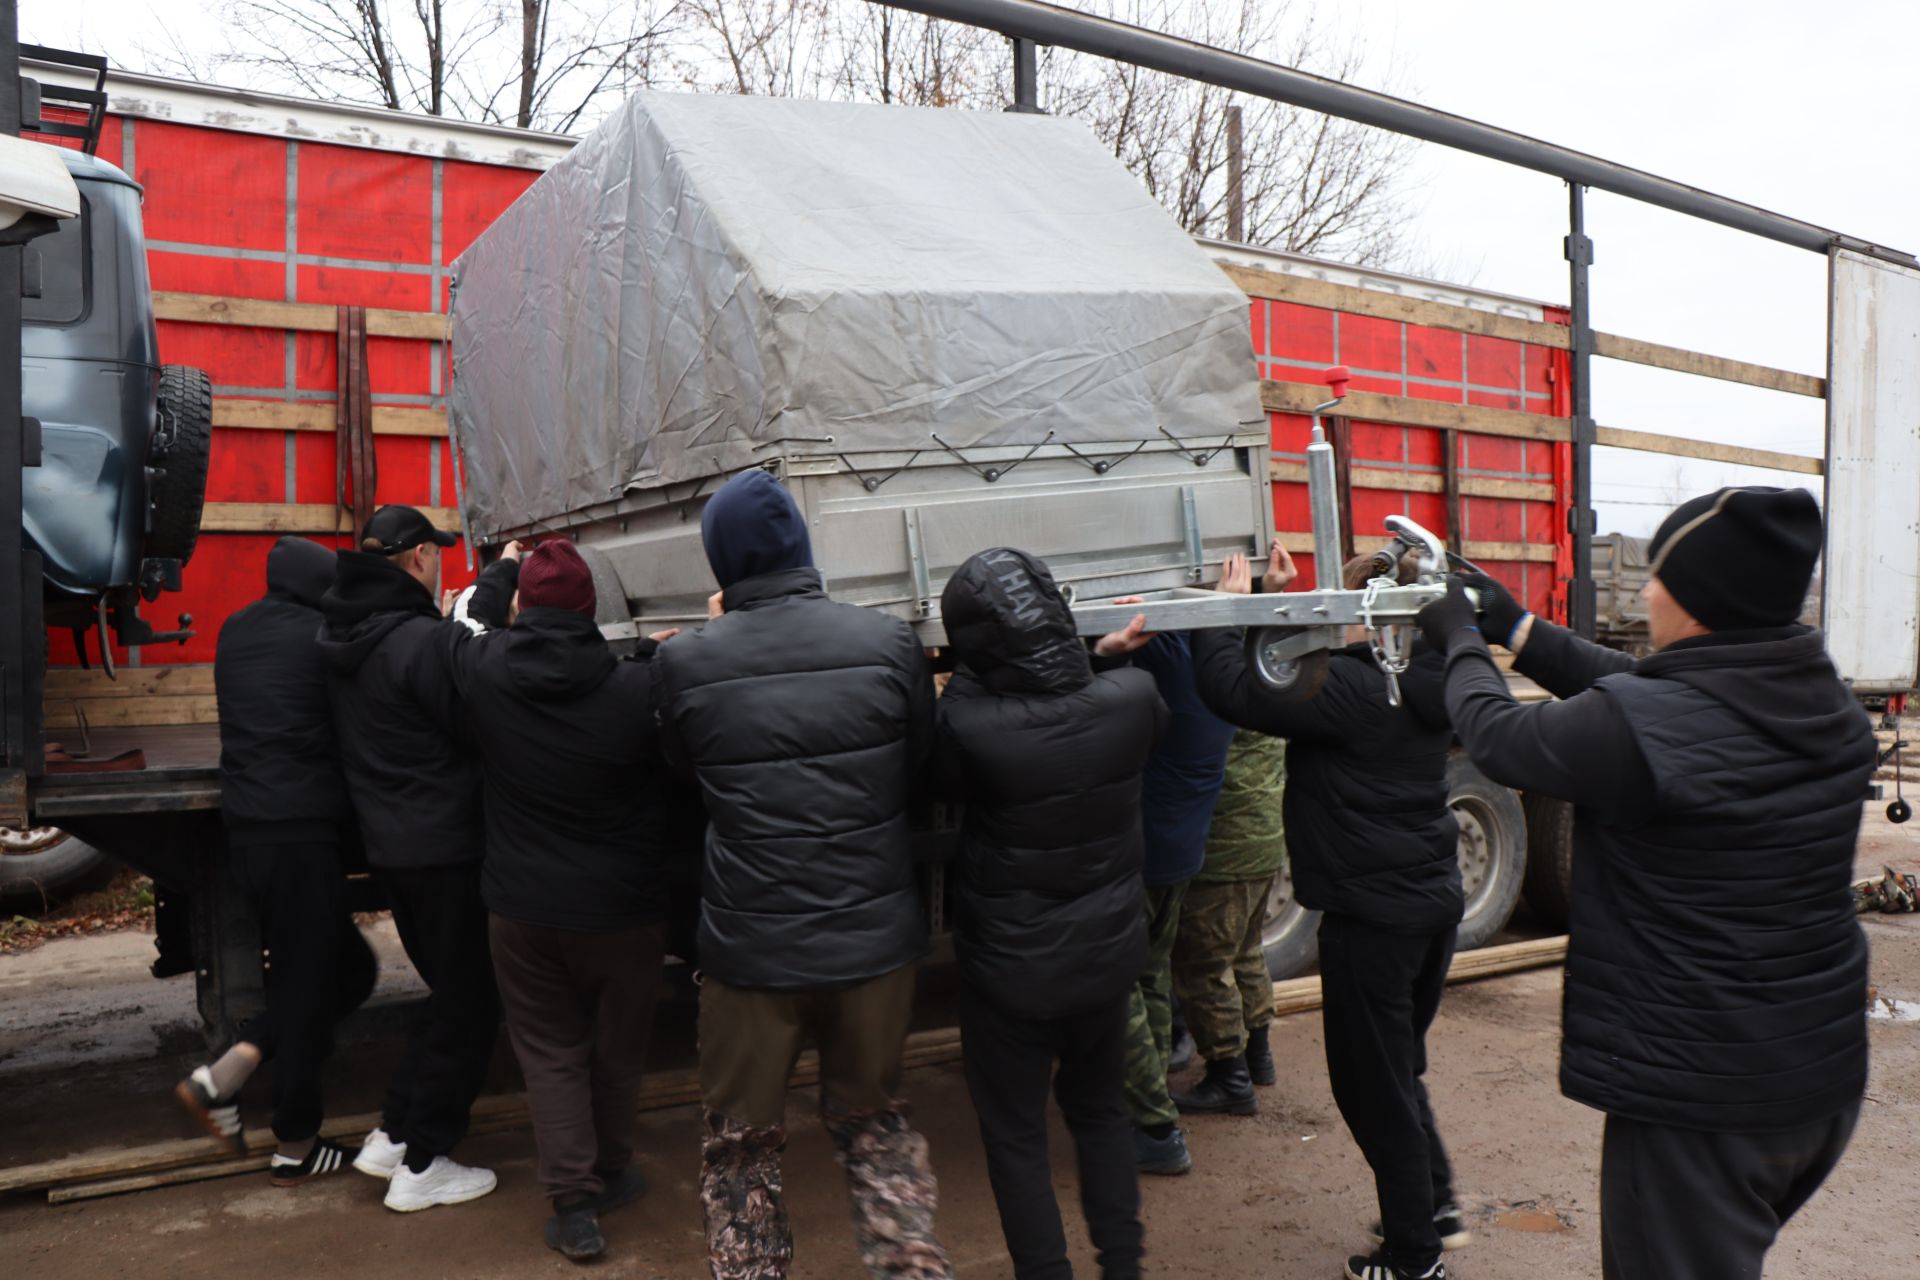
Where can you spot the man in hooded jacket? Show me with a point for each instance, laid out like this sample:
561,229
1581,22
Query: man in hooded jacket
584,826
1374,847
1047,755
287,815
416,792
808,725
1716,988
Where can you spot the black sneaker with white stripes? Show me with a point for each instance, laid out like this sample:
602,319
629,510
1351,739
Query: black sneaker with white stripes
217,1115
326,1157
1376,1266
1448,1222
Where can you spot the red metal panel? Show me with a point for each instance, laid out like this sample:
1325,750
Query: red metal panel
1433,353
247,466
471,197
211,186
365,204
1367,342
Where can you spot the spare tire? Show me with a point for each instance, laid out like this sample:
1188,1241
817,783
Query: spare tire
179,489
1549,883
42,867
1493,849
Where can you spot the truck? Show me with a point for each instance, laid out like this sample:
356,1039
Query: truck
304,254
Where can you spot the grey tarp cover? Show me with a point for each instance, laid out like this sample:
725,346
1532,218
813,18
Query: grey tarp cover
708,282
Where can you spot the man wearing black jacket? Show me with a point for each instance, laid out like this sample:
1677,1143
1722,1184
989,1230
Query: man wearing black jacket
1716,985
416,792
1048,757
1374,846
808,725
583,828
286,812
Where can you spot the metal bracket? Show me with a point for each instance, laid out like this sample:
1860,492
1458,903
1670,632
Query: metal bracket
989,474
768,444
917,558
1199,457
872,483
1190,523
1100,466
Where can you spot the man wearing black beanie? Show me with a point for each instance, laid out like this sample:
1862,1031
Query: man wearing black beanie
1716,981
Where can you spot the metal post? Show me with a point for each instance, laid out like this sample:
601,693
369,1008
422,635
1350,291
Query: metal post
1026,76
21,645
1579,250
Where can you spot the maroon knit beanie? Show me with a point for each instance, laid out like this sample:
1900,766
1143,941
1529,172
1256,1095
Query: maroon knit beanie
553,576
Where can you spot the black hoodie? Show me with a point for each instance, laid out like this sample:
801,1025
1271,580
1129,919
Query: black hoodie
1716,977
585,827
1048,757
280,781
1369,833
396,714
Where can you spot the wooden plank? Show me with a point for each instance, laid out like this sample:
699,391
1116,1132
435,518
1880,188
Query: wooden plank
1307,292
1495,552
1301,995
317,415
130,682
1391,480
1681,360
305,317
118,713
1368,406
1652,442
301,517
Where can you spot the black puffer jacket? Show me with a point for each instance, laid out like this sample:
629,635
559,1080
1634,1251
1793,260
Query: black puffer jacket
279,775
1048,757
1369,833
396,714
586,828
1716,975
808,725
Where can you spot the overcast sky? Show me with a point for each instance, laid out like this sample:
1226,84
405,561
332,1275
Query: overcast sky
1806,110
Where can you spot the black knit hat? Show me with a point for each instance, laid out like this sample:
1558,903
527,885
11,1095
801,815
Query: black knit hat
1739,558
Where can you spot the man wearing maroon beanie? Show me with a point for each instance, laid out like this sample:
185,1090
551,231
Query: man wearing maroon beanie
584,831
1716,988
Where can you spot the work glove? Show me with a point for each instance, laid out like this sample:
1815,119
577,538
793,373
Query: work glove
1500,613
1446,617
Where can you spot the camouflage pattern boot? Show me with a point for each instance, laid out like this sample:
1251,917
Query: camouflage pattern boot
893,1192
748,1235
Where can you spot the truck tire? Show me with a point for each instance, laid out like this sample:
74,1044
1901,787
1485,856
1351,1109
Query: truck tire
179,491
1291,935
1289,682
43,867
1493,849
1549,881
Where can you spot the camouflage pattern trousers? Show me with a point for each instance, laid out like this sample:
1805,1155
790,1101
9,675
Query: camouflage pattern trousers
1150,1015
889,1181
1219,966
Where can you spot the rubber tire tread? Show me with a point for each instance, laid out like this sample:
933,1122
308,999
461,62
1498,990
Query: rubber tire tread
1549,881
181,491
1509,839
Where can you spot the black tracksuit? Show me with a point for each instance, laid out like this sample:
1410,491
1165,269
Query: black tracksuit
416,793
586,833
1374,846
286,811
1716,977
1048,757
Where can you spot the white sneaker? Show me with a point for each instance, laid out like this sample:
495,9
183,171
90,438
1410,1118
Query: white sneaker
442,1182
380,1155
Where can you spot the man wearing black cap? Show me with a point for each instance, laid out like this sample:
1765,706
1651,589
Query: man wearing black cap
416,793
1716,982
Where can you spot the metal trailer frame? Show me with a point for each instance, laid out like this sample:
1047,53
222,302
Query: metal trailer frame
1029,23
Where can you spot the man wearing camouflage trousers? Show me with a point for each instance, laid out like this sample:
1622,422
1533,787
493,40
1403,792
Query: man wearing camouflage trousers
1219,964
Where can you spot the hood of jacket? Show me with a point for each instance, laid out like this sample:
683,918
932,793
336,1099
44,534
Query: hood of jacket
1010,626
369,598
1805,707
300,571
556,655
750,527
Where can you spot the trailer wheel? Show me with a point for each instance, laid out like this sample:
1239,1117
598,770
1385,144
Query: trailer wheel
180,490
41,867
1493,849
1549,882
1291,935
1291,679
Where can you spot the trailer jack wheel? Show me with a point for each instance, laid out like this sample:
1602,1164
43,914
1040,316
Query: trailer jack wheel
1293,679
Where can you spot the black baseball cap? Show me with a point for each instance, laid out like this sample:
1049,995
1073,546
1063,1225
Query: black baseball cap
394,529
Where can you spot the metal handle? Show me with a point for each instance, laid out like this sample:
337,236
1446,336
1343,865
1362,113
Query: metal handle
1433,559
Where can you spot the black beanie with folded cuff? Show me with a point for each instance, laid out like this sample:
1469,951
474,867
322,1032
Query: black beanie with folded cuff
1739,559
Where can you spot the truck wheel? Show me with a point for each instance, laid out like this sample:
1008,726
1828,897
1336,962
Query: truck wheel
1291,679
42,867
177,493
1549,882
1493,849
1291,935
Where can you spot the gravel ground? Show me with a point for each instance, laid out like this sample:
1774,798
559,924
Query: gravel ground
1280,1195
